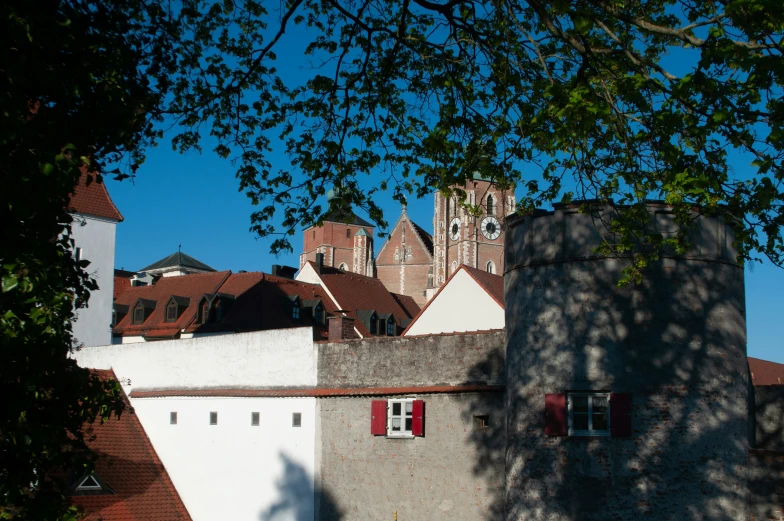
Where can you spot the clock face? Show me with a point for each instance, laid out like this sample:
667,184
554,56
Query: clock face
454,229
491,228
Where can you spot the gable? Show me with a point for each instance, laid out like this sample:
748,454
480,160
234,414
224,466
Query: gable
416,239
461,305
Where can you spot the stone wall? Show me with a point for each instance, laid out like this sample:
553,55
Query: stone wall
455,471
769,424
676,342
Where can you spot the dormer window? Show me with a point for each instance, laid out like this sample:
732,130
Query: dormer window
204,311
390,326
296,309
175,307
171,311
142,310
318,314
374,324
118,313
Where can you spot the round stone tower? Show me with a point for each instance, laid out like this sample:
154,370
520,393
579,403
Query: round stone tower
626,402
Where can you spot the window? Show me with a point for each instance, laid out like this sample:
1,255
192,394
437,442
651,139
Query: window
397,418
490,205
589,414
173,418
171,311
348,233
343,266
481,422
205,311
490,267
373,324
213,418
454,266
391,327
296,419
254,419
138,313
89,483
295,310
318,314
216,313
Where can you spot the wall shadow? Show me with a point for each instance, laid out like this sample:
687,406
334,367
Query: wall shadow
298,496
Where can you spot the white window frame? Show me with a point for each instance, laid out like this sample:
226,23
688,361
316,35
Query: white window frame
82,486
402,433
590,431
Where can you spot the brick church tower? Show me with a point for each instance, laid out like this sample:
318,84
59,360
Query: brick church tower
345,239
460,238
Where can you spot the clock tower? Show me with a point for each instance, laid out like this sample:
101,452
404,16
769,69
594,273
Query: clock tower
477,241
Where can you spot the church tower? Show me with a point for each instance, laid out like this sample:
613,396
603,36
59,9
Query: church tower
345,239
461,238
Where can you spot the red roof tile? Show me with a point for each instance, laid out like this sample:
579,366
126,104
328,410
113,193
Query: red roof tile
129,466
355,292
764,372
318,393
192,287
91,198
264,302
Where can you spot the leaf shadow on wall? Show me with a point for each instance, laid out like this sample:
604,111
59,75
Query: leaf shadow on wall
297,496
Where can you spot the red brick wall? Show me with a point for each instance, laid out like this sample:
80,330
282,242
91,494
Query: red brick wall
414,270
332,236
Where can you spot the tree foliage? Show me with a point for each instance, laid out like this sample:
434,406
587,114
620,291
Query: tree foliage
608,99
73,97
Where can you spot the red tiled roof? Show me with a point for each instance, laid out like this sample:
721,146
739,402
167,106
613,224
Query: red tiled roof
492,284
128,464
764,372
318,393
192,287
91,198
121,284
264,302
355,292
408,303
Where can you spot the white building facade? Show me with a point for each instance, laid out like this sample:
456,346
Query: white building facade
212,409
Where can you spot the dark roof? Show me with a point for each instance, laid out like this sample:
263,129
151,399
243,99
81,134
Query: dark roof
427,239
264,301
91,198
176,260
354,292
129,466
764,372
346,217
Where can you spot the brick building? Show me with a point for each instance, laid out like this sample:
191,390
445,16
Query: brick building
412,261
405,262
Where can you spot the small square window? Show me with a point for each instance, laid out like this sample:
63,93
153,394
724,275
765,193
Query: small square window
348,233
254,419
173,418
213,418
481,422
589,414
401,418
296,419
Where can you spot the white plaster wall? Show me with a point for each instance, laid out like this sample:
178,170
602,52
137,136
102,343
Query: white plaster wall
232,470
308,274
280,357
462,305
96,236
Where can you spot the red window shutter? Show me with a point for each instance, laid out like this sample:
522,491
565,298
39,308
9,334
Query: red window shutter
418,418
555,414
378,417
620,414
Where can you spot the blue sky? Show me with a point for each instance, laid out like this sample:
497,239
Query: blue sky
194,200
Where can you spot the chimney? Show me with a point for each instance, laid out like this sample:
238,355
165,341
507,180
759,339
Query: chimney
319,263
340,328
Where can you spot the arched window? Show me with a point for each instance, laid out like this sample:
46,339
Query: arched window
343,266
138,313
490,205
490,267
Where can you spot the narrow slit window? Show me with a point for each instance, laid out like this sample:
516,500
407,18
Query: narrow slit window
213,418
296,419
173,418
254,419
